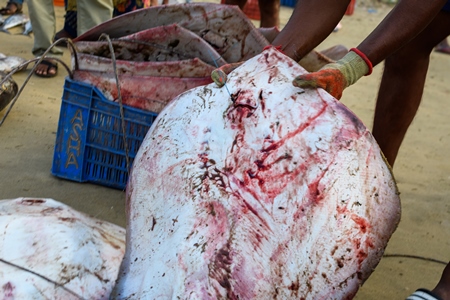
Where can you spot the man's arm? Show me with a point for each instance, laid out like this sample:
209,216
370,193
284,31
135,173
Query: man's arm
407,19
311,22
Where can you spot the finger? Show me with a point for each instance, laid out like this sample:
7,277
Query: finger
219,77
305,81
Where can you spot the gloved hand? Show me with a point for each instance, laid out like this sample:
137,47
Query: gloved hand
335,77
219,75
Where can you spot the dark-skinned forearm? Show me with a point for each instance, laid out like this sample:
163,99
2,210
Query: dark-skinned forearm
311,22
404,22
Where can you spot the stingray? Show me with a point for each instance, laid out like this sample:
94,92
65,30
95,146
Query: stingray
256,190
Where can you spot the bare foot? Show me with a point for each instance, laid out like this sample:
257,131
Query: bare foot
47,68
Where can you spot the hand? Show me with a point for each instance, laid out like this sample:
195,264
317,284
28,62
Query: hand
335,77
219,75
331,80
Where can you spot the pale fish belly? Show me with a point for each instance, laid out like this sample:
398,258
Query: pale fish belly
50,251
273,193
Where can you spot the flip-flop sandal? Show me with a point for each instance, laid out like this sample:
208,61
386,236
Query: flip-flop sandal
423,294
11,9
49,65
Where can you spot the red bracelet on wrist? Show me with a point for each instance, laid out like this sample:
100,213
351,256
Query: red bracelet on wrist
365,58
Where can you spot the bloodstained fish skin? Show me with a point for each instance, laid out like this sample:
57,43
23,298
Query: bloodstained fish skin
256,191
44,241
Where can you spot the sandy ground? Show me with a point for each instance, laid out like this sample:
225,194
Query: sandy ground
422,169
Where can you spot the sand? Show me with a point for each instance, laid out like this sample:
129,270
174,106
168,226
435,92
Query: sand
422,169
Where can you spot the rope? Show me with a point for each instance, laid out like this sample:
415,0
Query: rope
417,257
119,95
38,60
41,276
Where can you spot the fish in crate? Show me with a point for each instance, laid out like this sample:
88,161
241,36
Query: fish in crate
166,50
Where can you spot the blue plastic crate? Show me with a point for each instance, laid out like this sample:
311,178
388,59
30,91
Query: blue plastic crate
89,142
290,3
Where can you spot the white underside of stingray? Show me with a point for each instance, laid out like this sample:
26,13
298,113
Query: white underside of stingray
257,190
50,251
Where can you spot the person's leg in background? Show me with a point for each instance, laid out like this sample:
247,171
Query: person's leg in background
92,12
43,20
240,3
124,6
270,13
402,85
70,21
71,17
